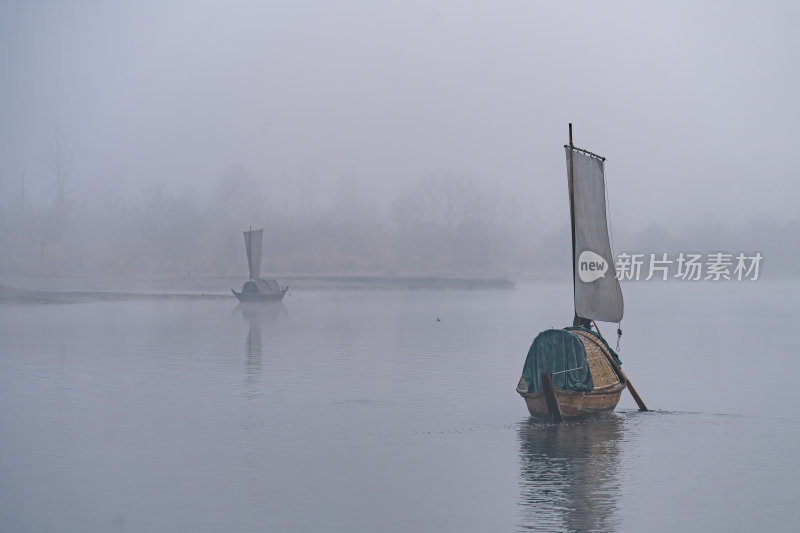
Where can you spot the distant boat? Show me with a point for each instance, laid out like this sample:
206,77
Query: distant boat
572,372
257,289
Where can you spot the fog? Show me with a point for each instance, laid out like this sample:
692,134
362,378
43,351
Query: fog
409,138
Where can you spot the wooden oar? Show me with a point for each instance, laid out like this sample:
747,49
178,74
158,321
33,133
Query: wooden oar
636,397
550,397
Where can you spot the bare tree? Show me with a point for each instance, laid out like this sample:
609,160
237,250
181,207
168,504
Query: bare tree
56,220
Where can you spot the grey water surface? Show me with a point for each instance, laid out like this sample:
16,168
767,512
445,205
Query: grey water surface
358,410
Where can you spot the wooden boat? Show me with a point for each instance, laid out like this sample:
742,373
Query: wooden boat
573,373
261,290
257,289
572,404
608,382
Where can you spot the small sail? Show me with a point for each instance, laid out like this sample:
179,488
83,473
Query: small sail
597,292
252,243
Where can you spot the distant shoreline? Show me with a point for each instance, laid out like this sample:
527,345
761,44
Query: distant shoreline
397,282
81,290
14,295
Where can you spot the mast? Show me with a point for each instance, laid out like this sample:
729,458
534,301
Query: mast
575,320
250,244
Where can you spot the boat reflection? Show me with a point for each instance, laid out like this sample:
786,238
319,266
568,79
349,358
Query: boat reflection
257,314
569,475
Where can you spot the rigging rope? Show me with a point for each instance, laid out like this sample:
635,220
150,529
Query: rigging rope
608,212
564,371
611,239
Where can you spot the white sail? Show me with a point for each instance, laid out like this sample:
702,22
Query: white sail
597,292
252,243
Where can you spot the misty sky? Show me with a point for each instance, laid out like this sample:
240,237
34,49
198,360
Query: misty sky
695,105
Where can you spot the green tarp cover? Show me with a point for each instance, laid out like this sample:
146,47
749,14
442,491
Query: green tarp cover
560,353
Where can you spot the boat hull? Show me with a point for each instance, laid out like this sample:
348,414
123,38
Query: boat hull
573,404
260,296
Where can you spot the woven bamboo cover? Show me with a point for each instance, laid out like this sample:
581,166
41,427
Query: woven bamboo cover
603,374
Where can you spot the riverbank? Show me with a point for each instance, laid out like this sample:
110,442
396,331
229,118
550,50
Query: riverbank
77,290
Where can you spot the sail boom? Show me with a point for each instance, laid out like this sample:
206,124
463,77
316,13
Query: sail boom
586,152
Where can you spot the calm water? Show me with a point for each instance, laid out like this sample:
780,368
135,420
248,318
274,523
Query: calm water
358,411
